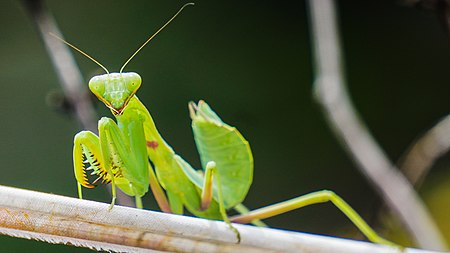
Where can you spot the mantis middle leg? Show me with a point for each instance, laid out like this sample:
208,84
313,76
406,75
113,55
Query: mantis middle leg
207,194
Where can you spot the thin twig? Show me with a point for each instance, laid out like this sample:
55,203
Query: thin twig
62,220
425,151
68,73
332,95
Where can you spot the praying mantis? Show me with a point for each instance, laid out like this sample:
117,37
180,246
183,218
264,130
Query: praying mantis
132,155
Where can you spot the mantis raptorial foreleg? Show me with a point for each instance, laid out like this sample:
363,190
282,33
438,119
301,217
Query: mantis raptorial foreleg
111,145
88,158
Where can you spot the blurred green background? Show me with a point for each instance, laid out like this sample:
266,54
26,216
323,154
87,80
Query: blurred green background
252,62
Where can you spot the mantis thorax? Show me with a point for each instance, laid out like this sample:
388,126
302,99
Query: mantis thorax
115,89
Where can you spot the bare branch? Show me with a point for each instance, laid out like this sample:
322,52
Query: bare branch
332,95
426,150
62,220
64,64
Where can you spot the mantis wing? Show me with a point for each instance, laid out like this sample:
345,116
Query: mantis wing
216,141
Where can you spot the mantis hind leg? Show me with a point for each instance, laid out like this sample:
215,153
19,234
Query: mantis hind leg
309,199
240,208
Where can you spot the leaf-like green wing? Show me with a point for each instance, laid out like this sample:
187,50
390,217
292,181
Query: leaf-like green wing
216,141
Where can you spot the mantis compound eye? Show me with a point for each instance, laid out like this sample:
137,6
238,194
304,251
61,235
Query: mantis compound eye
133,81
97,85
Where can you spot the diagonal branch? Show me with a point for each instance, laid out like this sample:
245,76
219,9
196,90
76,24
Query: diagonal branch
332,95
64,64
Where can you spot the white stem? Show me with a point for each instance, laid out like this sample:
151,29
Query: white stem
63,220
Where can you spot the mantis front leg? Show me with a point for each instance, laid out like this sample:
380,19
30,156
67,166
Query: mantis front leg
112,157
88,158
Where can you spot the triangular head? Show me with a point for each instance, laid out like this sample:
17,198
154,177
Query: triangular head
115,89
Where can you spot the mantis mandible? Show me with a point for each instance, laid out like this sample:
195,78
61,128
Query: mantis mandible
121,152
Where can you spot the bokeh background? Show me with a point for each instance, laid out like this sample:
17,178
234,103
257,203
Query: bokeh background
252,62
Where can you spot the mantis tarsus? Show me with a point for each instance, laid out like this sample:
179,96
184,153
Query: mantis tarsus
120,155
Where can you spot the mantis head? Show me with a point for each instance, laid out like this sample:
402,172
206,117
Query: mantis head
115,89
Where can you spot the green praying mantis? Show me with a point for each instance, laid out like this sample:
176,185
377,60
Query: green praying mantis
123,154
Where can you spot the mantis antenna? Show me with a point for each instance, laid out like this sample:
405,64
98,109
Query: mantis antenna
149,39
80,51
134,54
